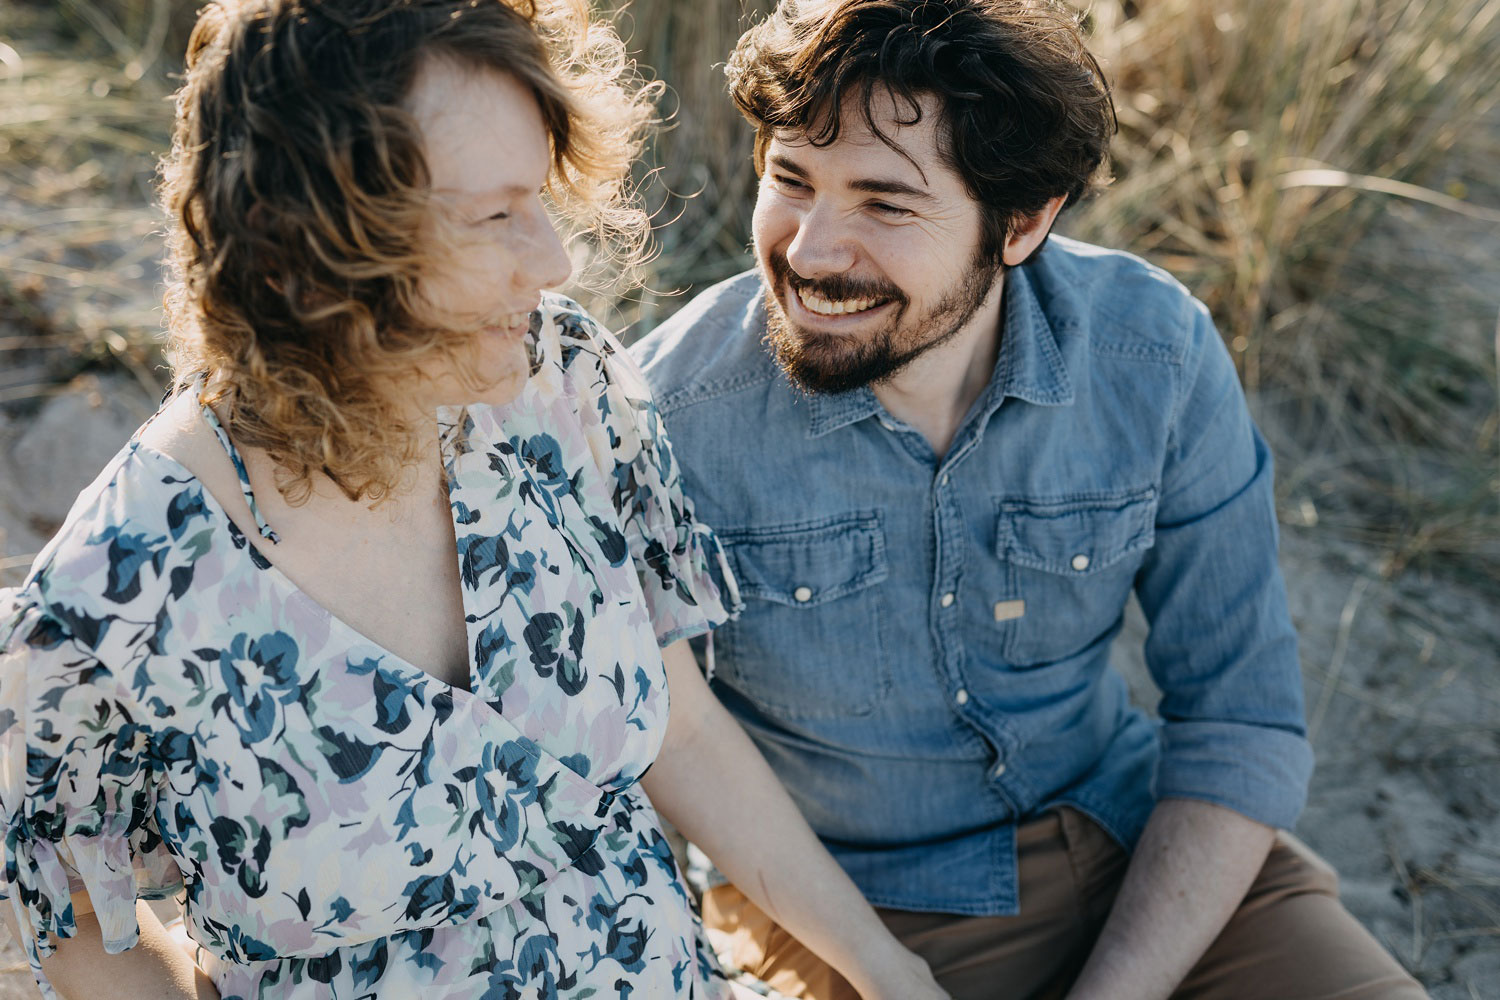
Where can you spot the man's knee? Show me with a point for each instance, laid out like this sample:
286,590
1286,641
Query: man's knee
1291,939
1292,868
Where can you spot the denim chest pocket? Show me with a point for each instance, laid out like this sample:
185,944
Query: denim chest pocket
1069,566
811,595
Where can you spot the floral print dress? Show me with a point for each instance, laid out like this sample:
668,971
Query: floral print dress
175,714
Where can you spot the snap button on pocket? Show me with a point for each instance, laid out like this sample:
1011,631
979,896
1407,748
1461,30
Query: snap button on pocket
810,589
1076,536
1070,566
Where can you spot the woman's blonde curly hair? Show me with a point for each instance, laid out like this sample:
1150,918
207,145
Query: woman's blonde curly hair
296,190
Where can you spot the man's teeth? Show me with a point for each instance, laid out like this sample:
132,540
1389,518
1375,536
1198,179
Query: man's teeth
826,307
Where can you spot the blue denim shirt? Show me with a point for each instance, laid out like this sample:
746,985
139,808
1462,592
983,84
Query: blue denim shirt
923,654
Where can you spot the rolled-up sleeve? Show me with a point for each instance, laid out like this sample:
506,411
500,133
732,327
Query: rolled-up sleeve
1221,646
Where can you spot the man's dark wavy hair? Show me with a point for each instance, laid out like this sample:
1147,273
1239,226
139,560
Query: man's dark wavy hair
1026,112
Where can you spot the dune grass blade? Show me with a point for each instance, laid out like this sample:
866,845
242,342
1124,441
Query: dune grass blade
1286,161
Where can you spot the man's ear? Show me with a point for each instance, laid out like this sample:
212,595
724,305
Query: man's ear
1031,233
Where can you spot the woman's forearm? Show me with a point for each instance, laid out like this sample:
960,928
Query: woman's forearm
712,784
155,969
712,793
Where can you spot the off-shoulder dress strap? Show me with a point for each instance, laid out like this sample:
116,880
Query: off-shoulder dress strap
266,531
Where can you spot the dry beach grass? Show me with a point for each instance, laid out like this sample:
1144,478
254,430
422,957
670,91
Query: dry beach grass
1323,174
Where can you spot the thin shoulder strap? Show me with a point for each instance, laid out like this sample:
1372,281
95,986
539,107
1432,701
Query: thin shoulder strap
266,531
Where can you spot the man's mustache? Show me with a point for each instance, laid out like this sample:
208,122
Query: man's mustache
835,288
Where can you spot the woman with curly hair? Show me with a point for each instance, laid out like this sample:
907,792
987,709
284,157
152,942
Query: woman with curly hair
364,642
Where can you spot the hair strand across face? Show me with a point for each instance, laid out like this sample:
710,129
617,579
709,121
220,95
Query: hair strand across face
296,190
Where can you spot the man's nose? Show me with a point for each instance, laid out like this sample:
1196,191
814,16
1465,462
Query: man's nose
822,244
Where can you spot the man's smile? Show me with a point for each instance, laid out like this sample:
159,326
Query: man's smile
834,304
836,307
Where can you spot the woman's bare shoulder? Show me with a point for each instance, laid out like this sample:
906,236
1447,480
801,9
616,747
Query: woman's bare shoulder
181,433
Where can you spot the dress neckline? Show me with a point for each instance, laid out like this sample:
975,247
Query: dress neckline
290,589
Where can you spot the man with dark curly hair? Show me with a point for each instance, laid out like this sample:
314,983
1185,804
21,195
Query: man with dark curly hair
968,443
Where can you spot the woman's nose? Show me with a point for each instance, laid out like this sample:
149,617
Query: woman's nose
544,261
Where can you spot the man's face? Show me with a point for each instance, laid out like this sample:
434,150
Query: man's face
870,257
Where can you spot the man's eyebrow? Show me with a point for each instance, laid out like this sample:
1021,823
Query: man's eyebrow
876,185
869,185
782,163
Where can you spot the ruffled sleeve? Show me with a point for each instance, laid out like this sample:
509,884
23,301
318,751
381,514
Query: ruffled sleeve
684,574
78,788
688,585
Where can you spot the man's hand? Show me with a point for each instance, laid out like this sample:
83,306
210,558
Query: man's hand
1191,870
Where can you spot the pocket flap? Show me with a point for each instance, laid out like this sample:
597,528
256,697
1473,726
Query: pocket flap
804,565
1076,537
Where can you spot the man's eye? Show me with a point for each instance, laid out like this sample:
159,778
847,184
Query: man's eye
890,211
790,183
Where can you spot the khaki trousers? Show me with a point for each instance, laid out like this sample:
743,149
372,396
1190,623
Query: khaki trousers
1291,939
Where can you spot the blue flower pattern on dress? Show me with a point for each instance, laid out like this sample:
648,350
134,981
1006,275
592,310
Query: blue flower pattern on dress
176,715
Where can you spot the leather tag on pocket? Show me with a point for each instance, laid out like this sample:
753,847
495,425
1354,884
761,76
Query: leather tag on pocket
1007,610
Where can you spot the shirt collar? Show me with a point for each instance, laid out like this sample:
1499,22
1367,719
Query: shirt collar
1030,367
827,413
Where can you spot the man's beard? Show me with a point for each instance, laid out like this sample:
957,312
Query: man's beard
831,362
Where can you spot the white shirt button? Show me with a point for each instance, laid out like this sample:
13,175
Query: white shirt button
802,594
948,599
962,697
1080,562
997,771
944,480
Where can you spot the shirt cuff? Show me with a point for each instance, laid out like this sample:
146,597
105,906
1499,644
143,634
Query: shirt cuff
1257,771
